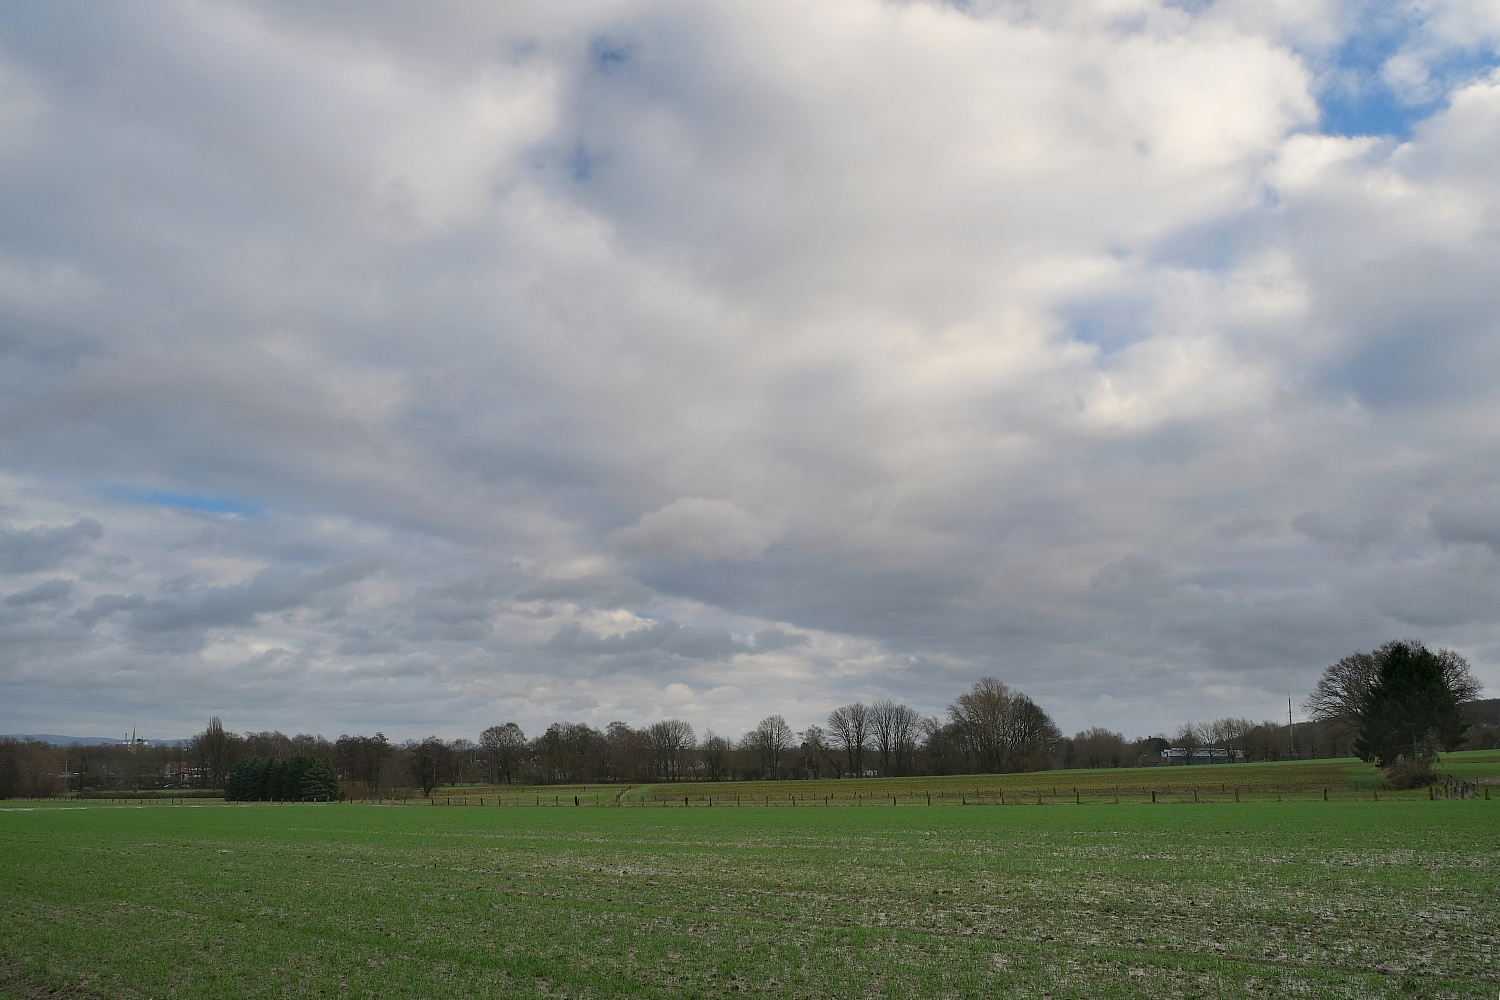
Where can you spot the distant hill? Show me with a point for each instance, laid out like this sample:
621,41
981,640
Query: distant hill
62,741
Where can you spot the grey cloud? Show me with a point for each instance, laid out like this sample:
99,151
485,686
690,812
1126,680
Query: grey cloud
772,639
34,550
687,641
363,643
51,590
594,591
1460,521
107,604
235,605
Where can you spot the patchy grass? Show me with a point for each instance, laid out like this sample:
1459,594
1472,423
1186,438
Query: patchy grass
1340,779
1344,899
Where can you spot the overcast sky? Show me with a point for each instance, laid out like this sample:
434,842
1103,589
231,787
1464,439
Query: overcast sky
421,367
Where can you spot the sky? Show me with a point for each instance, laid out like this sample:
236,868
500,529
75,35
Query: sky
417,368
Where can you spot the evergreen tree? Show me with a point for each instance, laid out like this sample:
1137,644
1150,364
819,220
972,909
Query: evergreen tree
1411,712
299,779
318,780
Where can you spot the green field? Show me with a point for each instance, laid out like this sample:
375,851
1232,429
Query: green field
1399,898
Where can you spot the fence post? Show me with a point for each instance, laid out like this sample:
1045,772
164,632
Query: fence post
1153,798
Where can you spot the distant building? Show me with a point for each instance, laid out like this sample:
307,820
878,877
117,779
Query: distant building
1202,755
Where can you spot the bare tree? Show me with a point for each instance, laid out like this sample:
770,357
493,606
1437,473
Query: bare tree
894,727
670,741
714,753
216,751
571,751
1003,730
427,761
503,748
625,752
363,759
1188,737
769,741
849,731
820,753
1099,747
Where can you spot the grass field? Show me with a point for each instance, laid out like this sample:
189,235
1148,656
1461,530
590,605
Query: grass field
1260,899
1338,779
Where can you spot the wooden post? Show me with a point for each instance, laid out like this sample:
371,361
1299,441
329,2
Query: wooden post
1153,798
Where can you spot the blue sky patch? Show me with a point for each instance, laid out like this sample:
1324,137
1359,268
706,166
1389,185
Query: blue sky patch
1357,100
187,501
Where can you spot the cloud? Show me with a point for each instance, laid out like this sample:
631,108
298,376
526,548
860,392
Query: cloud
43,593
1138,354
187,606
696,527
34,550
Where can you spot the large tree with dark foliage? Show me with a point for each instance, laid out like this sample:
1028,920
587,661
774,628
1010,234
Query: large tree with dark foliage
1339,698
1413,708
298,779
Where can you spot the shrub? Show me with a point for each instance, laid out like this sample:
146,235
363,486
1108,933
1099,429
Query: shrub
1408,773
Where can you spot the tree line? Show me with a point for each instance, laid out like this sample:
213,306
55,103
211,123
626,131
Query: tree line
1397,706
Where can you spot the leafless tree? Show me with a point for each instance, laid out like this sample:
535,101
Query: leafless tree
1003,730
670,741
570,751
1098,747
1188,737
942,746
849,732
363,759
464,765
503,748
894,727
821,755
625,752
216,751
769,741
427,761
714,753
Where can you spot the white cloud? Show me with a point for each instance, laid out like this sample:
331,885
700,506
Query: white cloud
908,343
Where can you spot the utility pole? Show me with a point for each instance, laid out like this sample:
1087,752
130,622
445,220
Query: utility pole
1291,731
